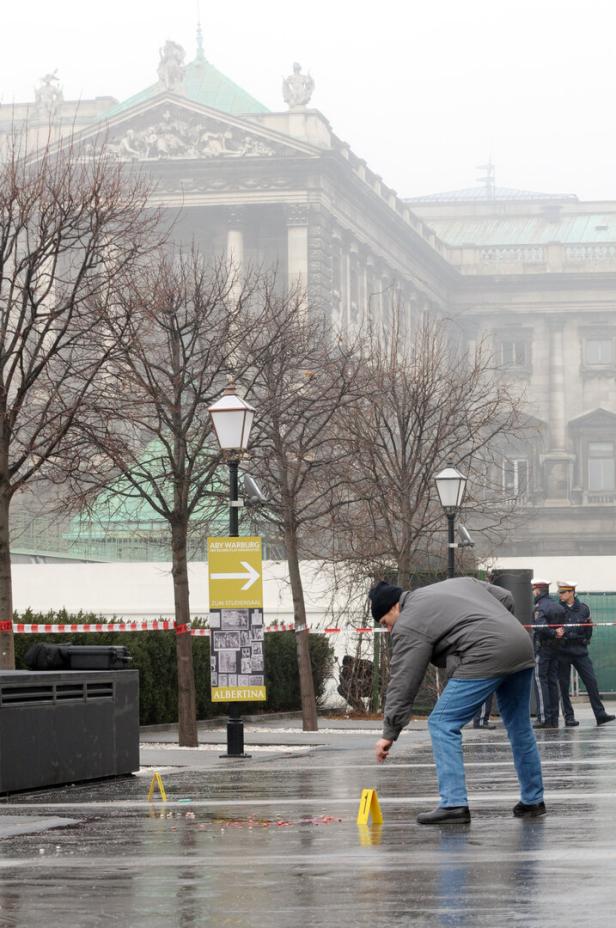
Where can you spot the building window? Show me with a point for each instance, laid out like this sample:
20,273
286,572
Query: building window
514,353
598,351
515,477
601,470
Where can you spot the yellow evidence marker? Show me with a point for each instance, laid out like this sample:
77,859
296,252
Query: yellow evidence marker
157,780
369,806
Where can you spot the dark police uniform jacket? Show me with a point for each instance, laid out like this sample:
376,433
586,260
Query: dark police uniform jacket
545,613
576,640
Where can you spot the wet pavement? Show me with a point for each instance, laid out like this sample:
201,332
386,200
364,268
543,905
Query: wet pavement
272,840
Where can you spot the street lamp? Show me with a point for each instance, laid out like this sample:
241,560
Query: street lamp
232,419
450,485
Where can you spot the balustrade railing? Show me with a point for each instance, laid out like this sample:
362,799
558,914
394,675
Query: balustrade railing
590,254
555,257
603,498
526,254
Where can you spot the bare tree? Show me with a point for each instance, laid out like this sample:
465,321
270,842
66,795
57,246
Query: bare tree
301,394
187,326
72,229
426,400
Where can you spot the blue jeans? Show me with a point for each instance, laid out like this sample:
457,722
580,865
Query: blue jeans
458,703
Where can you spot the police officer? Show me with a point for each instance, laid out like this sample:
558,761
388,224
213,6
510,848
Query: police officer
573,651
481,718
548,630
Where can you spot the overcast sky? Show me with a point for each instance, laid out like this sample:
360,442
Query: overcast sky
424,90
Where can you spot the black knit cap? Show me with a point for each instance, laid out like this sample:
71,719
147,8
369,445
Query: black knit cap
382,597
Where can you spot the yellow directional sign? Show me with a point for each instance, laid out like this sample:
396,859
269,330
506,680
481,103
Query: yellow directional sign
235,571
236,620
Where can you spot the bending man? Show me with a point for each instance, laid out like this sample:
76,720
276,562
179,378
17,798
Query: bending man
464,625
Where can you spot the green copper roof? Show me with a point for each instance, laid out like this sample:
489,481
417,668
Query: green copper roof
483,194
204,84
568,228
121,510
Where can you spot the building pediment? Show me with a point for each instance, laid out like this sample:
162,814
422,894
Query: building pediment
530,422
169,128
596,419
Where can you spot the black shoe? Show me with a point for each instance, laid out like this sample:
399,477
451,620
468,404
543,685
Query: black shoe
572,723
456,815
521,810
487,725
545,725
605,718
476,724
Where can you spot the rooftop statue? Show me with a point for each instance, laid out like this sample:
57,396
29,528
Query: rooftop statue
171,65
48,95
297,88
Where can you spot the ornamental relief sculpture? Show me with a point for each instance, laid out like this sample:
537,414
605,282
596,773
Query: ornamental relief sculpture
217,184
175,138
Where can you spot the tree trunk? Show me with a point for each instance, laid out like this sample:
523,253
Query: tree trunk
7,649
306,683
404,569
187,704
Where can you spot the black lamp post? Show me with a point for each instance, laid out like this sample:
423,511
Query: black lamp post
450,486
232,419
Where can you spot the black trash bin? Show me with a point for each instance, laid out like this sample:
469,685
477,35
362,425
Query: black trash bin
65,726
517,581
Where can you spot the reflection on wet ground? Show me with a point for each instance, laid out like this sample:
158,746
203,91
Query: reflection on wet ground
273,841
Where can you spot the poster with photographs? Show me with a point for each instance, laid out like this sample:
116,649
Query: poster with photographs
236,657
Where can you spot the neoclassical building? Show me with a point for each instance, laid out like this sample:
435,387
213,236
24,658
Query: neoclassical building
538,275
535,273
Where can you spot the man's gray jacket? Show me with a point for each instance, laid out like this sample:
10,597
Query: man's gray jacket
463,624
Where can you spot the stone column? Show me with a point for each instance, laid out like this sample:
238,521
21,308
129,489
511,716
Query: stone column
363,287
346,283
386,294
372,296
320,260
556,391
405,306
557,462
354,283
297,247
337,279
235,249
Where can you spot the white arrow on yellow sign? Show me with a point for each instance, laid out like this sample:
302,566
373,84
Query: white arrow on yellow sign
235,573
250,575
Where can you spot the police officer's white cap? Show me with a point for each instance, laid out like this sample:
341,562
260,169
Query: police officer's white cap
539,581
566,585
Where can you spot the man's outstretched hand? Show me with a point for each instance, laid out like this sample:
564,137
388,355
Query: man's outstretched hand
382,749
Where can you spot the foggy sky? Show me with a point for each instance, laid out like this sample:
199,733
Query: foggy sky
424,90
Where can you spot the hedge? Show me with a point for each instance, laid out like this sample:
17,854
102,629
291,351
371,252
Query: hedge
153,655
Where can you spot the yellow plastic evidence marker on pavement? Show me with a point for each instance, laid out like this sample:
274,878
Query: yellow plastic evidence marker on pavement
369,806
157,780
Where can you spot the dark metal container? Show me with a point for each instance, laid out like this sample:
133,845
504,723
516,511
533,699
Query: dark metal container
67,726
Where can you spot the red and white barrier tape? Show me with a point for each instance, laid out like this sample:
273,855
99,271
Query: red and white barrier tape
151,625
168,625
572,625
